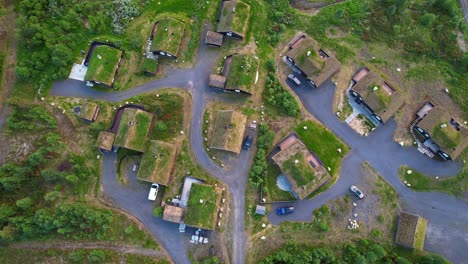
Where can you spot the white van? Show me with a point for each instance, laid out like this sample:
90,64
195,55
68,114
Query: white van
294,79
153,192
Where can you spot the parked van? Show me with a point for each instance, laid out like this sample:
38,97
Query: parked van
153,192
294,79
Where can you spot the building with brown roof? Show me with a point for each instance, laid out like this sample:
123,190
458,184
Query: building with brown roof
300,165
173,213
214,39
411,230
217,81
440,132
105,140
312,62
376,95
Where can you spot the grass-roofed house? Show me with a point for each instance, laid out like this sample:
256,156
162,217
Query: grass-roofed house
301,166
306,58
133,128
228,131
440,133
377,97
202,206
166,37
103,61
157,163
237,75
233,19
89,111
411,231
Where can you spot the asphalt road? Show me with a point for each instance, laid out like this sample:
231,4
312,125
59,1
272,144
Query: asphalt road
447,215
132,198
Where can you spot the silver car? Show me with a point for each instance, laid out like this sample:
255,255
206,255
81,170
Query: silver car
356,191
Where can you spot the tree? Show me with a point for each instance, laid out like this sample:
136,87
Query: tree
51,175
428,20
52,196
160,126
24,203
97,256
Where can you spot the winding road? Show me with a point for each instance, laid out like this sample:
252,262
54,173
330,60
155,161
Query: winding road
448,216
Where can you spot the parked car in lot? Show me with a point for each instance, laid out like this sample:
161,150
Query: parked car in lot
294,79
247,142
285,210
153,192
356,191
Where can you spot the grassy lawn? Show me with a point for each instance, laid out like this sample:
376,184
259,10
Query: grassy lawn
202,214
301,171
168,35
242,73
457,185
102,70
275,193
324,143
447,138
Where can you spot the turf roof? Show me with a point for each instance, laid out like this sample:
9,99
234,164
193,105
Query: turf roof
202,206
168,35
133,128
242,72
234,21
157,162
103,70
228,131
88,110
411,230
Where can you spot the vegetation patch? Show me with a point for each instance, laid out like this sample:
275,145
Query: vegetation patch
202,206
150,66
264,141
324,143
103,65
271,190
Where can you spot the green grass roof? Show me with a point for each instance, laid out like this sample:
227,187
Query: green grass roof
157,162
87,110
134,126
168,40
242,72
150,65
103,70
234,21
202,215
302,172
228,130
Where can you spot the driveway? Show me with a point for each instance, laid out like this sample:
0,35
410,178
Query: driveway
447,215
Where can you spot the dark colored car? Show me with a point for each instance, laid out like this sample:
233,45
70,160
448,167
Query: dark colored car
247,142
285,210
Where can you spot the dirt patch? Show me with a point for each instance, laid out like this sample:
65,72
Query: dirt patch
461,42
312,7
358,125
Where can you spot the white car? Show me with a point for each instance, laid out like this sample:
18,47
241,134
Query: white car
356,191
294,79
153,192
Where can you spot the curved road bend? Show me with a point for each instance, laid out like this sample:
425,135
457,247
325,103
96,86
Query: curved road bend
447,215
126,197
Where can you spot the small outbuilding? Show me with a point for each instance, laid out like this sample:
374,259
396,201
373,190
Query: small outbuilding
261,210
89,111
411,230
105,140
217,81
214,39
173,214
